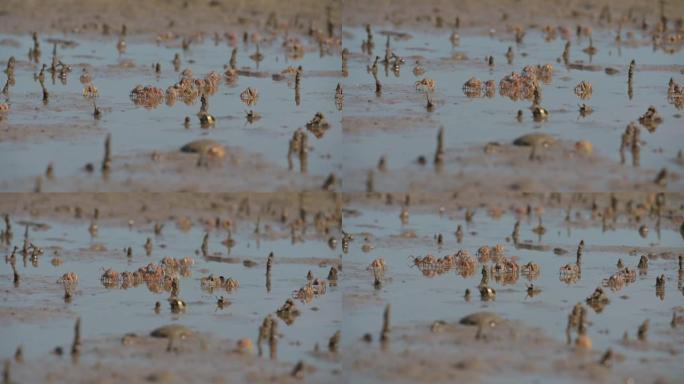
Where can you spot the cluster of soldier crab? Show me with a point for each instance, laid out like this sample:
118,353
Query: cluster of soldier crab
503,268
506,270
314,287
525,86
187,89
516,86
675,94
164,276
211,282
158,277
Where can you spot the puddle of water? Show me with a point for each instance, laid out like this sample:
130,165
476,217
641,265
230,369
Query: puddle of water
418,300
138,130
473,122
114,312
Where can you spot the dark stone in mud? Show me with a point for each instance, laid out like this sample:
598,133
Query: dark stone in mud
171,331
533,247
250,73
204,146
482,318
534,139
585,67
470,364
249,263
36,226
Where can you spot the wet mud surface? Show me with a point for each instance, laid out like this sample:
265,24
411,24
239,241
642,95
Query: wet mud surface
111,308
146,135
427,301
368,192
479,128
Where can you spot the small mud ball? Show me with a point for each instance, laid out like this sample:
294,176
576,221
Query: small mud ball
584,147
244,345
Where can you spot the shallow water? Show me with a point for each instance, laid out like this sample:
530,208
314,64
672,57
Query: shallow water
418,300
354,306
472,122
137,130
114,312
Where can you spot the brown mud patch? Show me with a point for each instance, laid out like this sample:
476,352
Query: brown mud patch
21,133
488,13
506,351
177,16
509,168
146,207
140,358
